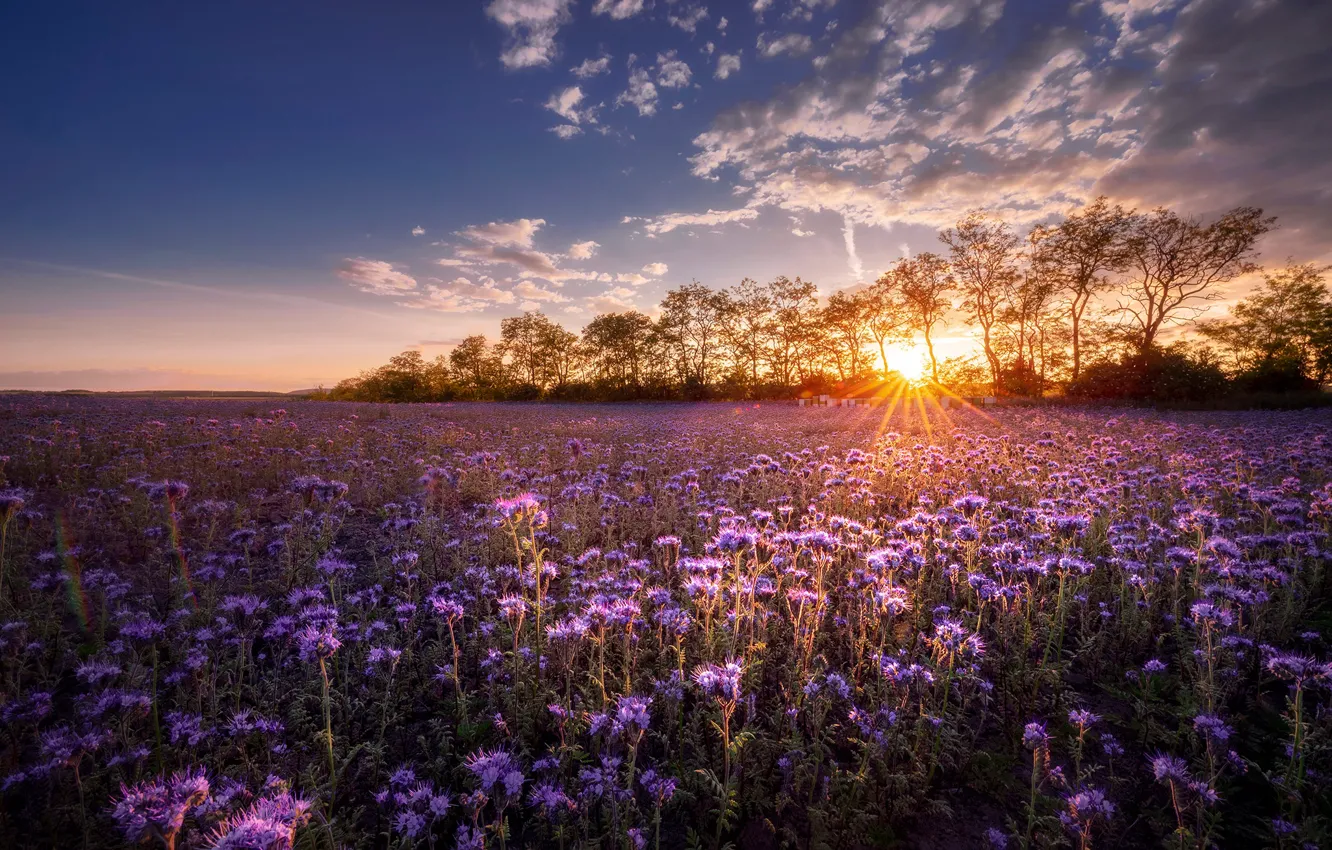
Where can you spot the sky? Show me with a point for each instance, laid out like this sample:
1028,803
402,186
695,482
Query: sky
277,196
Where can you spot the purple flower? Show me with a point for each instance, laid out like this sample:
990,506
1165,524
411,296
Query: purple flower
1085,807
721,681
317,642
157,808
268,824
550,800
497,771
519,507
1211,727
660,788
1167,767
1034,735
632,716
1082,718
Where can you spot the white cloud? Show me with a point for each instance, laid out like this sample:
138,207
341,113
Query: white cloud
721,24
655,269
418,230
529,290
632,278
517,233
727,64
487,290
688,18
591,67
566,131
852,258
614,300
564,103
375,276
794,43
530,27
641,93
502,244
672,72
657,225
583,250
618,9
460,295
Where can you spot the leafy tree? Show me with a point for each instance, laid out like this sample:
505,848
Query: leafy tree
983,253
1078,254
887,316
1175,374
1287,323
1025,327
690,325
477,369
794,329
925,282
562,356
746,326
617,345
844,319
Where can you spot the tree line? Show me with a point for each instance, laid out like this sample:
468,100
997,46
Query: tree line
1079,307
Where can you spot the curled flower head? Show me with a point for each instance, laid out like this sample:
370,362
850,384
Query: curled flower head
1211,727
660,788
317,642
1034,735
1086,807
1297,668
157,808
12,501
721,681
497,772
1082,718
518,508
1167,768
268,824
632,716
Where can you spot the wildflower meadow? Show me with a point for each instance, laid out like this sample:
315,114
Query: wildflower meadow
336,625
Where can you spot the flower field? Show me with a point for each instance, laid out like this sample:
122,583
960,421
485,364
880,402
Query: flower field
503,626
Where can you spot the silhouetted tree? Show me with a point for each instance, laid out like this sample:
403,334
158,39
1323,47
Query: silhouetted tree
690,325
1286,326
794,329
1078,255
746,327
925,281
617,346
983,253
1178,262
887,316
476,368
844,320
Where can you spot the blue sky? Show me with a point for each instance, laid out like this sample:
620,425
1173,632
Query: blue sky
227,194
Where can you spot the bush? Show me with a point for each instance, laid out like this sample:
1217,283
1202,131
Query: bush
1160,375
1276,375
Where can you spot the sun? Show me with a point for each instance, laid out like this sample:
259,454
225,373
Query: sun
907,362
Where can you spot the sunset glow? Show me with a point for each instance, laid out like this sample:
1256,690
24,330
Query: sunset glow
200,199
908,361
666,424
